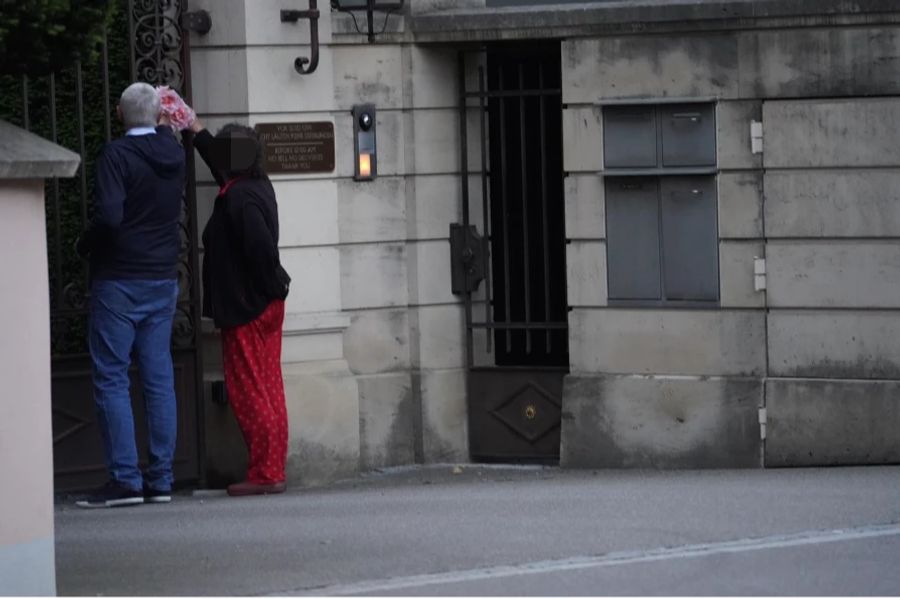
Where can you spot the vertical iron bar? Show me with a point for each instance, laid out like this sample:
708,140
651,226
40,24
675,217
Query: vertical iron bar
57,217
464,170
546,239
524,168
502,184
194,232
132,40
370,16
485,210
26,122
104,61
79,109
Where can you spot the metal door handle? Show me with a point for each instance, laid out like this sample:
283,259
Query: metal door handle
686,195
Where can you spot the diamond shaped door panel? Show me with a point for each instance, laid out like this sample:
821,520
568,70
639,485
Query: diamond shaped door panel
515,415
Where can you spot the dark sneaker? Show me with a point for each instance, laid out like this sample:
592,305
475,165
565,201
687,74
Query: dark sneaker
248,488
152,495
112,494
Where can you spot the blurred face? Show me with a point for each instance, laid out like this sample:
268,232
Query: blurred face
233,154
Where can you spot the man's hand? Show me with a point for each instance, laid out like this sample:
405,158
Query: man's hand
164,120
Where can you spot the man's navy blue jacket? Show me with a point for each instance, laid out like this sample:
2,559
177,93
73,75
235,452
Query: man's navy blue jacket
134,231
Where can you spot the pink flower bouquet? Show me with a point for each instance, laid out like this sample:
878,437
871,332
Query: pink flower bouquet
181,116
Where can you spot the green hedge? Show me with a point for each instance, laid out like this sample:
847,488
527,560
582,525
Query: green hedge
42,36
67,208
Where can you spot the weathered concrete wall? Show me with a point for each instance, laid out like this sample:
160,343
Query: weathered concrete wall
660,422
243,72
374,346
834,274
695,342
843,133
834,344
445,21
793,63
833,265
833,204
377,255
830,422
828,234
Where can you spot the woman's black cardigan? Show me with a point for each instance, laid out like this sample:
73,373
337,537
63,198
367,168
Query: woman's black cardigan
242,272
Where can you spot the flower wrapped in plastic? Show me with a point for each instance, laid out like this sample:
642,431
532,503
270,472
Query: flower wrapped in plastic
181,116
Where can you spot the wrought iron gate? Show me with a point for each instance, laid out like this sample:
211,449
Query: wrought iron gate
74,107
516,323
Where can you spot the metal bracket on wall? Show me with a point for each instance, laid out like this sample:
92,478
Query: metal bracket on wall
756,137
759,274
197,21
304,65
467,256
369,7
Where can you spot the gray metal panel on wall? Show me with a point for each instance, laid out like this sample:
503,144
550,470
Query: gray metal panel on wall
690,239
632,229
629,136
688,134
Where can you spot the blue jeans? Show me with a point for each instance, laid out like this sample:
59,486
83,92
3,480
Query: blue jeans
134,315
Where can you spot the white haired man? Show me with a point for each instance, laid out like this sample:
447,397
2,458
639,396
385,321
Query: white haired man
133,245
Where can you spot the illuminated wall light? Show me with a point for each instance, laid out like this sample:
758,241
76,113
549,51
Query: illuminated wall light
364,143
365,165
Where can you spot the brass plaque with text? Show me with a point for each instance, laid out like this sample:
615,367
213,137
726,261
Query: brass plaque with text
297,147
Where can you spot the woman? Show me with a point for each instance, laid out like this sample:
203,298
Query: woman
244,288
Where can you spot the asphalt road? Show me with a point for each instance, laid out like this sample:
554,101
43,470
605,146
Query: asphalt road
504,531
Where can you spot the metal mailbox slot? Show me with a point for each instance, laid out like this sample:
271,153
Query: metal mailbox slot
690,238
632,230
629,136
688,135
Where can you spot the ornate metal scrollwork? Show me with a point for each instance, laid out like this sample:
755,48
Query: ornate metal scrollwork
158,42
183,328
160,58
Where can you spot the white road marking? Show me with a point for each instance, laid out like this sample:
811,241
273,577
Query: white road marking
618,558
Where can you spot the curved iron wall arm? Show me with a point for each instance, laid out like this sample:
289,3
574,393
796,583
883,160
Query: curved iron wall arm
305,66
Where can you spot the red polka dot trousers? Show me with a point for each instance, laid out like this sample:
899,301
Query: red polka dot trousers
252,360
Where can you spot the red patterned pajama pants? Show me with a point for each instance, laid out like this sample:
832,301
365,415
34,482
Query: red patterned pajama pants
252,360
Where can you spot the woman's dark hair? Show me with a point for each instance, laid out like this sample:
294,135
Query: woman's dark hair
247,146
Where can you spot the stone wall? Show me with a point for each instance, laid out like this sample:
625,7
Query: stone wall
834,291
375,341
664,388
373,356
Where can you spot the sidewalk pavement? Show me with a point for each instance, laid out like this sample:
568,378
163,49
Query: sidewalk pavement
504,531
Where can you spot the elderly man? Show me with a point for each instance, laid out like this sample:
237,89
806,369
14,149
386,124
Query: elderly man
133,244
